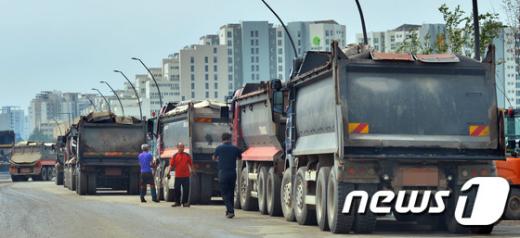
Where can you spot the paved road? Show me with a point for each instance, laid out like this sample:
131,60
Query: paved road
42,209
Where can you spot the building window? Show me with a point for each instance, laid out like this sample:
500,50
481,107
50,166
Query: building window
252,68
252,50
192,77
280,51
192,68
257,68
206,77
192,94
192,59
207,94
252,59
206,86
230,60
214,50
252,34
230,68
215,77
256,33
229,34
279,33
215,68
256,50
252,76
206,59
256,42
215,59
216,94
215,85
279,59
206,68
252,42
192,86
229,51
230,86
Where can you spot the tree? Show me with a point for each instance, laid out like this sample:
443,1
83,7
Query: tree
459,30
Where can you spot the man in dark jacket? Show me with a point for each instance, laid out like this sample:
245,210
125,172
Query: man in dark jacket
226,154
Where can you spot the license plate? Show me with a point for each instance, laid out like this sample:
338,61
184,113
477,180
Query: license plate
426,176
25,170
113,172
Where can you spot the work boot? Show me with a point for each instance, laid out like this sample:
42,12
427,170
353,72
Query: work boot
186,205
176,204
230,215
143,200
143,193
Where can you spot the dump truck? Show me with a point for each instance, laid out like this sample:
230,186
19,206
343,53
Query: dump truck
7,140
510,168
32,160
60,159
258,121
107,148
199,125
398,121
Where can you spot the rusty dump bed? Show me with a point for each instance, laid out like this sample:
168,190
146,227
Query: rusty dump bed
106,136
27,153
397,106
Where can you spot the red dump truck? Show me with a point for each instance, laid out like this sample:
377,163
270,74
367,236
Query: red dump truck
32,160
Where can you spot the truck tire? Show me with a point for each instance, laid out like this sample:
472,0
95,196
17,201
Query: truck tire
59,178
339,223
159,186
82,182
513,205
195,189
133,183
206,188
43,174
74,177
261,182
305,214
92,184
273,193
321,198
236,198
286,196
167,192
246,186
365,222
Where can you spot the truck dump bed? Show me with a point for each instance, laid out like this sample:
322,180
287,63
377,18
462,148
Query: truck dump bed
399,106
103,135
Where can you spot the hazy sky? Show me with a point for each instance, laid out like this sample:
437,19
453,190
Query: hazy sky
71,45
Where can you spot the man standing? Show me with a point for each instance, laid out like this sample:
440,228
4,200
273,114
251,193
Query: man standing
182,164
145,161
226,154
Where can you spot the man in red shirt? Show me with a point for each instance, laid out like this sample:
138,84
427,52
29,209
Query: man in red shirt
182,164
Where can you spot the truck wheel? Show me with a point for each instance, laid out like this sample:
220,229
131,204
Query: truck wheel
133,183
195,189
246,200
304,213
321,198
74,177
286,198
337,191
43,174
82,182
513,205
166,191
59,178
261,190
273,193
91,181
451,224
236,198
159,186
366,222
206,188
